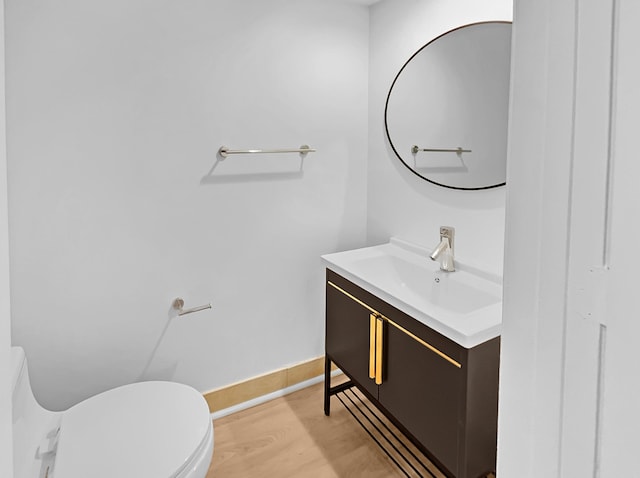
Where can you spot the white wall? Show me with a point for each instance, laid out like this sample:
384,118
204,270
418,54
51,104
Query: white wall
6,450
399,203
117,205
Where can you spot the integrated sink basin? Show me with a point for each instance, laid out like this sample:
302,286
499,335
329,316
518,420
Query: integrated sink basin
465,305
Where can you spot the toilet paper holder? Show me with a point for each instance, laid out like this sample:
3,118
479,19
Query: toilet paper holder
178,304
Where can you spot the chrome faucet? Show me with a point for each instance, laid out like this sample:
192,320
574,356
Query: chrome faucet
444,250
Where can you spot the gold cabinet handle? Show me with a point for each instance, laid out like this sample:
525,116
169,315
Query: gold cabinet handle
379,337
372,345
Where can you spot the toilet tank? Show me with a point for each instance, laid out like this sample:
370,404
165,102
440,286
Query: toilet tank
31,422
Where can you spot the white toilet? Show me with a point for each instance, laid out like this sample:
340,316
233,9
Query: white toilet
142,430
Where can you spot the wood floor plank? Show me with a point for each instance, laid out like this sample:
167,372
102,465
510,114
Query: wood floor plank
291,437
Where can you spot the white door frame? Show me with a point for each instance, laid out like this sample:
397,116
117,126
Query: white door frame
567,393
6,434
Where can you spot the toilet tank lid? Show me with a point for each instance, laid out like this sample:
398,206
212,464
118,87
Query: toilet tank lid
142,429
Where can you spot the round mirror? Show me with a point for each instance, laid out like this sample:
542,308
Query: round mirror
446,112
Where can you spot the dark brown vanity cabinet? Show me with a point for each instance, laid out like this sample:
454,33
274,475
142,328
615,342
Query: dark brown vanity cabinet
442,395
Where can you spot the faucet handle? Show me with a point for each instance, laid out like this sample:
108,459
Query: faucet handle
449,233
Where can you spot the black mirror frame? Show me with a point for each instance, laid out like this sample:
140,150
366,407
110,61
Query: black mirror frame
386,106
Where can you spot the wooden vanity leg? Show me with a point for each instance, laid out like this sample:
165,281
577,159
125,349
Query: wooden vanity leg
327,385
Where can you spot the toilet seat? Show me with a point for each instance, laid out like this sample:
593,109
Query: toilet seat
148,429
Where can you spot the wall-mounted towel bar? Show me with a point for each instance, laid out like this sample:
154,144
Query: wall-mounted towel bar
178,304
415,149
224,151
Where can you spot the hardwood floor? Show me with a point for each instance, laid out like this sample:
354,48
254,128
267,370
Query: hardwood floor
291,437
